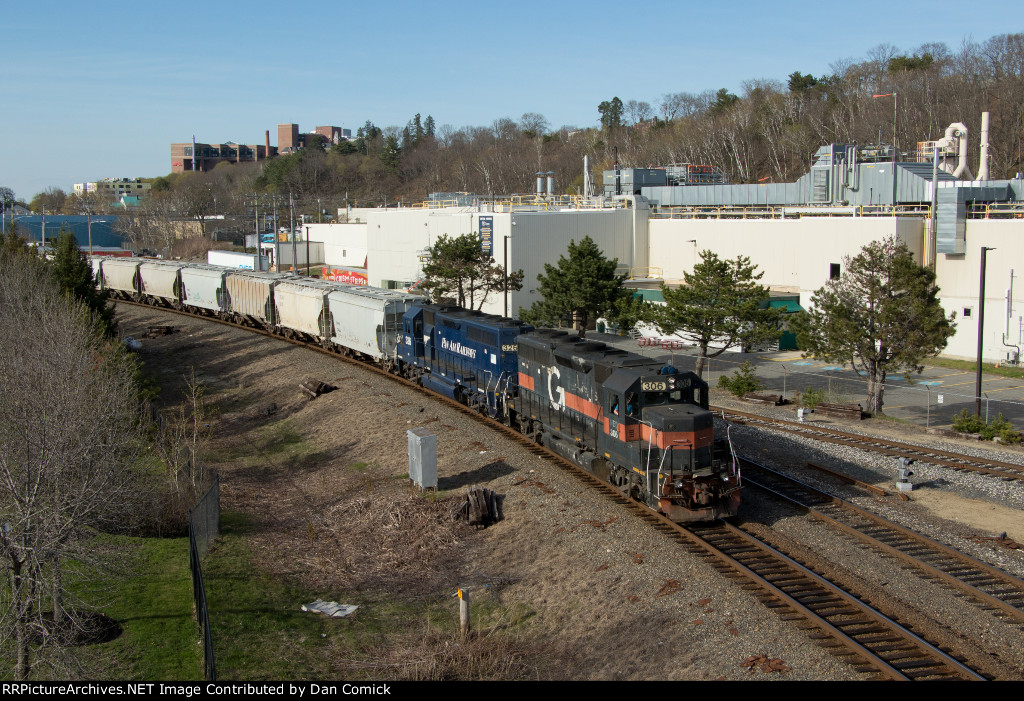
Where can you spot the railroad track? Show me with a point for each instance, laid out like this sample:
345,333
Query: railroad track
833,618
989,587
932,456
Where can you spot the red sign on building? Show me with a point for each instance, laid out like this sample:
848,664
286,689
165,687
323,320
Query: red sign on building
347,276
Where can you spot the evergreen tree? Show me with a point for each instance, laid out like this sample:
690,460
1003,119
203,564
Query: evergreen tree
582,286
882,315
13,244
417,130
391,154
460,270
720,303
73,274
611,113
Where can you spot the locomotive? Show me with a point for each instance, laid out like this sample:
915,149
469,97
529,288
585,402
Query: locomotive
643,426
636,423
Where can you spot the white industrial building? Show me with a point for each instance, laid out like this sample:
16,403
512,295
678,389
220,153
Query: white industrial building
798,234
390,245
797,256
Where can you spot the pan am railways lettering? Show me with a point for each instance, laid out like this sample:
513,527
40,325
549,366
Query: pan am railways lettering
458,348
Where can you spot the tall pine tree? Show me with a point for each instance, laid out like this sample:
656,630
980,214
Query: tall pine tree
582,287
882,315
73,274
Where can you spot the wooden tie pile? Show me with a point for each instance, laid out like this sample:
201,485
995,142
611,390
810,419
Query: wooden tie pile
482,507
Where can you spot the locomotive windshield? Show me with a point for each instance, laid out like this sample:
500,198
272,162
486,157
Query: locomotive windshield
665,390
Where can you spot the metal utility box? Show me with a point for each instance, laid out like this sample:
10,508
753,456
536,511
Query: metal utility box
422,458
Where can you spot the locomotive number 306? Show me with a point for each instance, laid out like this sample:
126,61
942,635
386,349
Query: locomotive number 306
653,386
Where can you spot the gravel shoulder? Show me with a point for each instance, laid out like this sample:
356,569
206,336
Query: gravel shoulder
586,591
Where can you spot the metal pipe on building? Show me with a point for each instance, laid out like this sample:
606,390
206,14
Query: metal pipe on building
929,249
540,184
983,161
551,183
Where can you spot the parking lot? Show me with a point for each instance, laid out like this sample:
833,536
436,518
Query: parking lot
930,399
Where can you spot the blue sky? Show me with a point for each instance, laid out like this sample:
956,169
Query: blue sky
94,91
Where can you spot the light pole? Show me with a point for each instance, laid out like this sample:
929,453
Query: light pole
981,326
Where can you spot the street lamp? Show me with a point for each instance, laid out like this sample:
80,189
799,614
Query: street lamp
981,326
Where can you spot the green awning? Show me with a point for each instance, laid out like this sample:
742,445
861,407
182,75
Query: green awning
649,295
787,306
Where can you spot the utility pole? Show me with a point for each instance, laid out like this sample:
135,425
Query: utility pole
256,209
981,326
277,238
291,232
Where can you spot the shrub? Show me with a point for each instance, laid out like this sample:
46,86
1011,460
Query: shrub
968,423
812,397
971,423
742,380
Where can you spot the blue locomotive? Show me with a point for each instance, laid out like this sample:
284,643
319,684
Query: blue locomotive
466,355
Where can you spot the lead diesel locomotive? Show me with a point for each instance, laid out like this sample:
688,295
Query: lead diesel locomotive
639,424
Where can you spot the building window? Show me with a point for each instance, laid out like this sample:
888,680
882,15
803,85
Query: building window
968,311
833,271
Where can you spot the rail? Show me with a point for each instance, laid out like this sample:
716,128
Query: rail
787,212
525,202
996,210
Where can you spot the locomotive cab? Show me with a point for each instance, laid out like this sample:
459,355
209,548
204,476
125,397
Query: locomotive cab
660,424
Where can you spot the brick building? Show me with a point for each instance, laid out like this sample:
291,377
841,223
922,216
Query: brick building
207,156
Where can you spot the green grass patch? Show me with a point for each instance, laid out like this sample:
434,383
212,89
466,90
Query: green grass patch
279,439
259,629
359,467
893,419
261,633
971,366
153,602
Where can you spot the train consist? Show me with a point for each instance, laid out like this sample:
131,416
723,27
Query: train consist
642,426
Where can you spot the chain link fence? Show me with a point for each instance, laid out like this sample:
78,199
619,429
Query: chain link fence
925,400
203,528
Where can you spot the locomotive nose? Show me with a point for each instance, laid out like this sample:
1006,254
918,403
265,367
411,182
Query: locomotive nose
675,418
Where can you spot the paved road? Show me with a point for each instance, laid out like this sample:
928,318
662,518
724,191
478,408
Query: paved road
929,399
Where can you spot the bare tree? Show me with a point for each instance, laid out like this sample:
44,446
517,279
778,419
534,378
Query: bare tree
639,111
182,438
69,428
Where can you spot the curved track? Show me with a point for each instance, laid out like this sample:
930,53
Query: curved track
988,586
933,456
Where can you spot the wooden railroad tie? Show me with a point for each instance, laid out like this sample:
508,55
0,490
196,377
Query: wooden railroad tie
482,507
314,388
160,330
763,398
841,411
